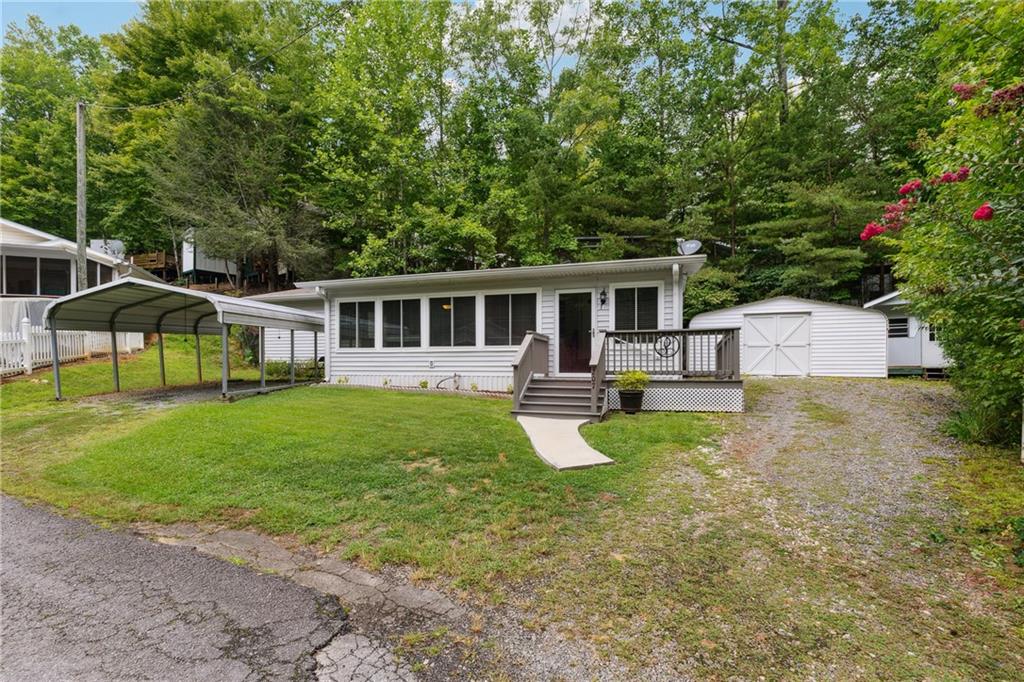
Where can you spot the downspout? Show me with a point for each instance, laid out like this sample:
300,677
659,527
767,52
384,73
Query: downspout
319,291
678,288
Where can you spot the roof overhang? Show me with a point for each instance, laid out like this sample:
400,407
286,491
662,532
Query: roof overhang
134,305
893,298
534,273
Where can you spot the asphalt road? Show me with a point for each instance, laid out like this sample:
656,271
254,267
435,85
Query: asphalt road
83,603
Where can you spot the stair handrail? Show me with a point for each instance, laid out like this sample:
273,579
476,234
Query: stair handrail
530,359
598,367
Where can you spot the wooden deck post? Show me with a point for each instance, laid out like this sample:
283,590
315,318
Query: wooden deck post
291,340
160,347
224,360
263,365
113,357
56,359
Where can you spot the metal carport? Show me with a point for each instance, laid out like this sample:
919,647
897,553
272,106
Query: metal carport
134,305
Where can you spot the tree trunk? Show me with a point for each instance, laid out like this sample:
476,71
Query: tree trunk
781,69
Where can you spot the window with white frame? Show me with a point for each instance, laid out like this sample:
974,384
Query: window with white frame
507,318
636,308
401,323
355,324
899,327
452,321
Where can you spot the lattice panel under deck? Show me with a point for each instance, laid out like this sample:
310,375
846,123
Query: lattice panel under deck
688,399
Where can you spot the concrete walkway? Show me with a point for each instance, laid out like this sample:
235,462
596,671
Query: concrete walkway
559,443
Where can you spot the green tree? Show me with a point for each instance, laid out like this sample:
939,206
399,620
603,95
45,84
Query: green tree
44,72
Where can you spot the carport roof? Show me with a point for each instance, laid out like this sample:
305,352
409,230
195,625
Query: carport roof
135,305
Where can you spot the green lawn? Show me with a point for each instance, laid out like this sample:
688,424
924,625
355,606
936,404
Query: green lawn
141,370
446,483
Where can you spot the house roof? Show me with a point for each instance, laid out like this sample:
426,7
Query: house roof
781,298
688,264
134,305
286,295
40,239
889,299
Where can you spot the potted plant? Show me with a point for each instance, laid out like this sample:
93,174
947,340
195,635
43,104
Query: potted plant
631,387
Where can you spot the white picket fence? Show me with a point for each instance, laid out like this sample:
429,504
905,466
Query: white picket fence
29,348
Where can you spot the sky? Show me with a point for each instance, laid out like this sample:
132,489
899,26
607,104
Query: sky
95,18
92,17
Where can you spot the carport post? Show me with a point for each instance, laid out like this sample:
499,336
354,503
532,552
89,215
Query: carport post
224,360
291,340
263,370
160,347
199,359
113,357
316,362
56,359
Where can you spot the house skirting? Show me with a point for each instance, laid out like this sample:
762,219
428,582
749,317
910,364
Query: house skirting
491,383
688,396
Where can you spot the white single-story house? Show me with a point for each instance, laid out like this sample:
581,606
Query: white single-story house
37,267
789,336
554,336
913,348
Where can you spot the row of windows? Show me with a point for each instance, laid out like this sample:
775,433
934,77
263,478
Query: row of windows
29,276
452,321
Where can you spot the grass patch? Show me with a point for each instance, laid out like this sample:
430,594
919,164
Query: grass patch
988,486
820,412
447,483
140,370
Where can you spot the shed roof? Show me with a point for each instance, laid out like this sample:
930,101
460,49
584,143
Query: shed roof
134,305
688,264
805,302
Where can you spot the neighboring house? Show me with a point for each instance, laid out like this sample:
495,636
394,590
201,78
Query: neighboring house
788,336
552,335
199,268
37,267
913,348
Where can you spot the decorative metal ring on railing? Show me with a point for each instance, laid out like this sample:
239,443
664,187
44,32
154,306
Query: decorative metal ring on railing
666,346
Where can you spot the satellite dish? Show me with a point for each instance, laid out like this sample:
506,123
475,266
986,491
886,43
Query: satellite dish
687,247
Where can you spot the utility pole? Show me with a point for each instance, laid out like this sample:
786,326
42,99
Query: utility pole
83,279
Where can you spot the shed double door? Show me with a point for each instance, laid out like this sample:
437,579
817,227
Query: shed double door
777,345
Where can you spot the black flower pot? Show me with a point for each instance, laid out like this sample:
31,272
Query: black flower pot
631,401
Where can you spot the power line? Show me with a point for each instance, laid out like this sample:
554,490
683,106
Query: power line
182,97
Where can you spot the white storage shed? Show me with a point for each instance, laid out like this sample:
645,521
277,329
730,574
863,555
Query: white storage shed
789,336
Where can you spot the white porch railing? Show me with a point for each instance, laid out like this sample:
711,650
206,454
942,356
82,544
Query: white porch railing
29,347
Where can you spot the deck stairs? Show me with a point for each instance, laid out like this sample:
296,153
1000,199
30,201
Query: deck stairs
562,397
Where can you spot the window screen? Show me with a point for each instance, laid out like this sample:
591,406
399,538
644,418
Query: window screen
636,308
507,318
898,328
453,321
21,275
401,323
91,270
106,274
355,324
54,277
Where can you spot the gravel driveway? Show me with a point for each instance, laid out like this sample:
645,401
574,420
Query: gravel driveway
87,604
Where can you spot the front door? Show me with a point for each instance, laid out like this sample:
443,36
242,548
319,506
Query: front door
575,311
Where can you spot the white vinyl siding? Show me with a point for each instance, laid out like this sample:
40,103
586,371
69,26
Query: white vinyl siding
844,341
278,340
487,366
